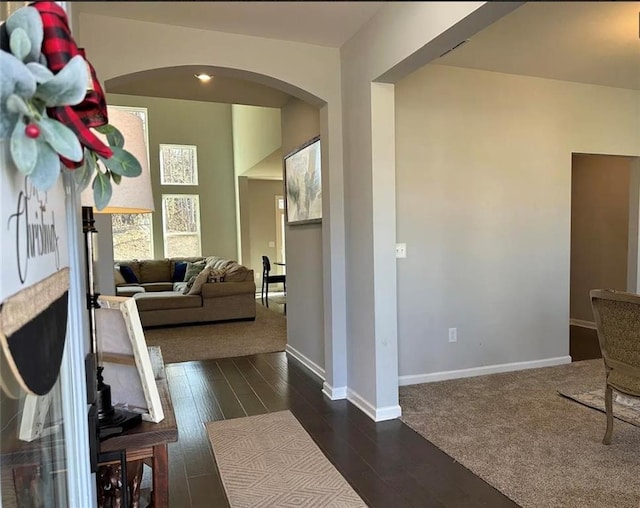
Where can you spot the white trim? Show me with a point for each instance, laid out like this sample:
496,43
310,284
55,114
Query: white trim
481,371
309,364
583,324
167,146
376,414
80,481
334,393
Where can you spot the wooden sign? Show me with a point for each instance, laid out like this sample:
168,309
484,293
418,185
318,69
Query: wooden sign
34,282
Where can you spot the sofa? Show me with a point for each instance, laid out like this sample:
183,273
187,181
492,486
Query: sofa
174,291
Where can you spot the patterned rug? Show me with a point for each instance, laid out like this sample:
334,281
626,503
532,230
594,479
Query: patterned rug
270,461
625,408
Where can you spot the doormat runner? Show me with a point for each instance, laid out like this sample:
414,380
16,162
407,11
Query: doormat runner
626,409
270,461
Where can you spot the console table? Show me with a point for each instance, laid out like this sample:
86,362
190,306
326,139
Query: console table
149,441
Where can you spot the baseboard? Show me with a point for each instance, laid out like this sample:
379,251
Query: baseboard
309,364
481,371
334,393
582,323
376,414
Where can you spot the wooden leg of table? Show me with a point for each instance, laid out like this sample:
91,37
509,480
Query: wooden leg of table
134,477
160,472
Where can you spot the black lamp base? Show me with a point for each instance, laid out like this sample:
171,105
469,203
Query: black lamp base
112,421
119,421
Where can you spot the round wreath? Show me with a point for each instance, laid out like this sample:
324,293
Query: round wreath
40,102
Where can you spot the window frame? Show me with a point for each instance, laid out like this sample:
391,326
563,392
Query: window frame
166,235
194,148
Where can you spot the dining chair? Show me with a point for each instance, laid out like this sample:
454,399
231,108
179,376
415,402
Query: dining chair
617,315
270,279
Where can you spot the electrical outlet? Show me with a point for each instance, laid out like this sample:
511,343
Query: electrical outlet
453,335
401,250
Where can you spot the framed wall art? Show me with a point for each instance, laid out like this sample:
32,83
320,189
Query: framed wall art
303,184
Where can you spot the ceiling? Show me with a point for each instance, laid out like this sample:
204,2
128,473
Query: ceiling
322,23
585,42
588,42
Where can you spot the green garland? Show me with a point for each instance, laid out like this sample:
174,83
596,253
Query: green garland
36,141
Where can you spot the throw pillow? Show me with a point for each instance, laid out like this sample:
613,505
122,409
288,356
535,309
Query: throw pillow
193,269
179,271
216,275
201,278
188,284
117,276
128,274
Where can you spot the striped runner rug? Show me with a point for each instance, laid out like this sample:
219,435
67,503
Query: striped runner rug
269,460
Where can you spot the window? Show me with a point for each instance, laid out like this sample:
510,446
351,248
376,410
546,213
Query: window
181,225
132,235
178,165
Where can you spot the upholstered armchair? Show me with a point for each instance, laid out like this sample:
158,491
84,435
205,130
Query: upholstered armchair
617,316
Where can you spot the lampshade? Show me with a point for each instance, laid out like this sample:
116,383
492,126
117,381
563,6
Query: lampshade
132,195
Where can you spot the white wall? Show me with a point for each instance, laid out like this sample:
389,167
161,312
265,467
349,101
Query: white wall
399,39
484,205
305,329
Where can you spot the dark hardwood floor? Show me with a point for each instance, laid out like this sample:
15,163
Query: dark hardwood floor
387,463
583,343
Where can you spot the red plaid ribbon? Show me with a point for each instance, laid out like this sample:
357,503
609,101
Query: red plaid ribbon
59,47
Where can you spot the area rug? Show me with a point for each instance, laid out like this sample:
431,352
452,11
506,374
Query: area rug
267,334
269,460
626,409
517,433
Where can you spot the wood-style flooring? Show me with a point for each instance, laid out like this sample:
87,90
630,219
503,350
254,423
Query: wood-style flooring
387,463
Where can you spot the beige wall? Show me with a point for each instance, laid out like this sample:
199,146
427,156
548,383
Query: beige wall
484,205
300,123
256,134
599,227
208,126
258,198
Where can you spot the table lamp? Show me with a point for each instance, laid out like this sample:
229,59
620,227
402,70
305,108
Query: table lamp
132,195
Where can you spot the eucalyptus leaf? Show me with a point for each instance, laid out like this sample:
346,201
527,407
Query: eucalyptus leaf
84,173
16,104
28,18
47,168
101,190
40,72
19,43
116,178
62,139
114,136
24,150
122,163
68,87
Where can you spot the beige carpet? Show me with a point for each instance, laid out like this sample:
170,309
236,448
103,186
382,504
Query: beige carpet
516,432
270,461
267,334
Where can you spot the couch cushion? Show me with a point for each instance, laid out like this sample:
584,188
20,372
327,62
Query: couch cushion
166,300
157,286
155,270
